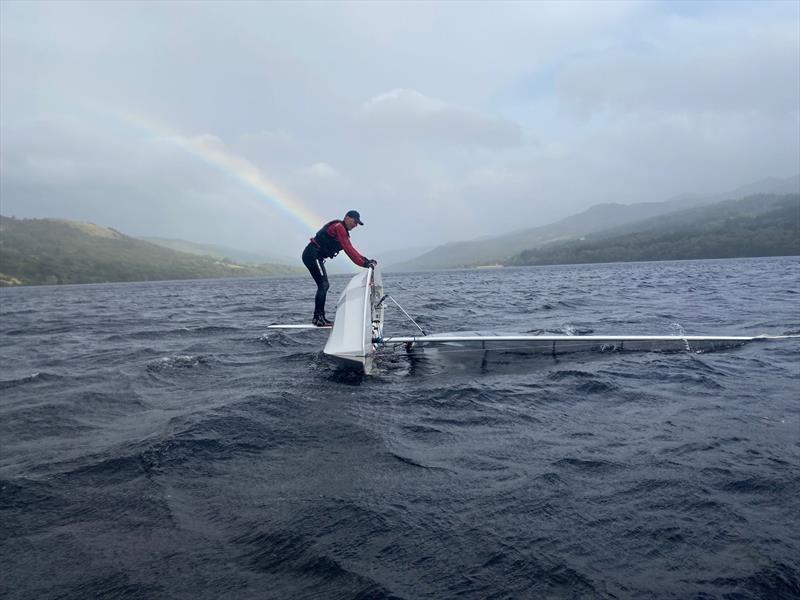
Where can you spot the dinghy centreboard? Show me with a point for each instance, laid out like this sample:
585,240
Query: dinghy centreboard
357,334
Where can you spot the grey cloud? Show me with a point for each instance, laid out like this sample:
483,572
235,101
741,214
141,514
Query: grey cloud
140,185
626,101
409,114
69,152
319,170
727,73
688,153
271,147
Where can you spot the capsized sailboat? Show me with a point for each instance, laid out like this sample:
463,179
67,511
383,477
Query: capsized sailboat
357,333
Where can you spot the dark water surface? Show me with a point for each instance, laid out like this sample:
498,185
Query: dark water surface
158,442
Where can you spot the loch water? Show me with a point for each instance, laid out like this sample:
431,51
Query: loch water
157,441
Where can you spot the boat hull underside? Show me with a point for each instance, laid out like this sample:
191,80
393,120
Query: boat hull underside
555,345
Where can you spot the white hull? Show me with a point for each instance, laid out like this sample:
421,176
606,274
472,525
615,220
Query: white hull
562,344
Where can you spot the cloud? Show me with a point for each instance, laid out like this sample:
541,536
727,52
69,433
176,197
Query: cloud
320,170
395,109
139,184
271,149
688,65
411,115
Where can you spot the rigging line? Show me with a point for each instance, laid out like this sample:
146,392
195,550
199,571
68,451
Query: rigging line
404,312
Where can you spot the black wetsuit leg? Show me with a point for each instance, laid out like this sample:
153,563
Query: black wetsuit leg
316,266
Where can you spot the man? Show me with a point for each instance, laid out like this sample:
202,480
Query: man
327,243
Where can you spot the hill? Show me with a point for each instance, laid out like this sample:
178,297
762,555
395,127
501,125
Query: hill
241,257
54,251
500,249
220,252
763,225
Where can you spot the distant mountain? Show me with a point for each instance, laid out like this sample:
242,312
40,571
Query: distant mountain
770,185
221,252
762,225
54,251
500,249
388,258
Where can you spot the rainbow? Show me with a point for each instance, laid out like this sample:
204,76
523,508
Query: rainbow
214,152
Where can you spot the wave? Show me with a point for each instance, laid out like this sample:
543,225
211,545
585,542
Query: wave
759,485
405,460
48,420
219,461
305,566
775,580
565,330
184,361
39,377
581,464
156,334
127,463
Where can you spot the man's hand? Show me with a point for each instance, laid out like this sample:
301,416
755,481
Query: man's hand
370,264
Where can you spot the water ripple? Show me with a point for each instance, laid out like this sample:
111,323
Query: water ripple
158,441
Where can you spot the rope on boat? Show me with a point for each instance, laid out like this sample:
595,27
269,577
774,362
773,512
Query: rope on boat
404,312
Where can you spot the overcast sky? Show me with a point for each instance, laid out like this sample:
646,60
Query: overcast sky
246,124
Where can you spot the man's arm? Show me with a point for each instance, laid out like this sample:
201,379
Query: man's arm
338,231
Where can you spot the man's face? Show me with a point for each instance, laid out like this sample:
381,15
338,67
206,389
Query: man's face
350,222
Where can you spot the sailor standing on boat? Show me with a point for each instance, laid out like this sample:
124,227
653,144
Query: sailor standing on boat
327,243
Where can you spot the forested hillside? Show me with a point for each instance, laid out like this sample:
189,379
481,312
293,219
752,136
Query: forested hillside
52,251
765,225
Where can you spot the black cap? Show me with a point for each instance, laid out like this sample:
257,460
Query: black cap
354,214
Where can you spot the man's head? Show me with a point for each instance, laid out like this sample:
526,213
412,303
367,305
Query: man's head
352,218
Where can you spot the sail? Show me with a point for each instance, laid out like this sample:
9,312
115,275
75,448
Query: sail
359,321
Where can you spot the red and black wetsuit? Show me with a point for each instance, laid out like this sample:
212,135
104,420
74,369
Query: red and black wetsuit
327,243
